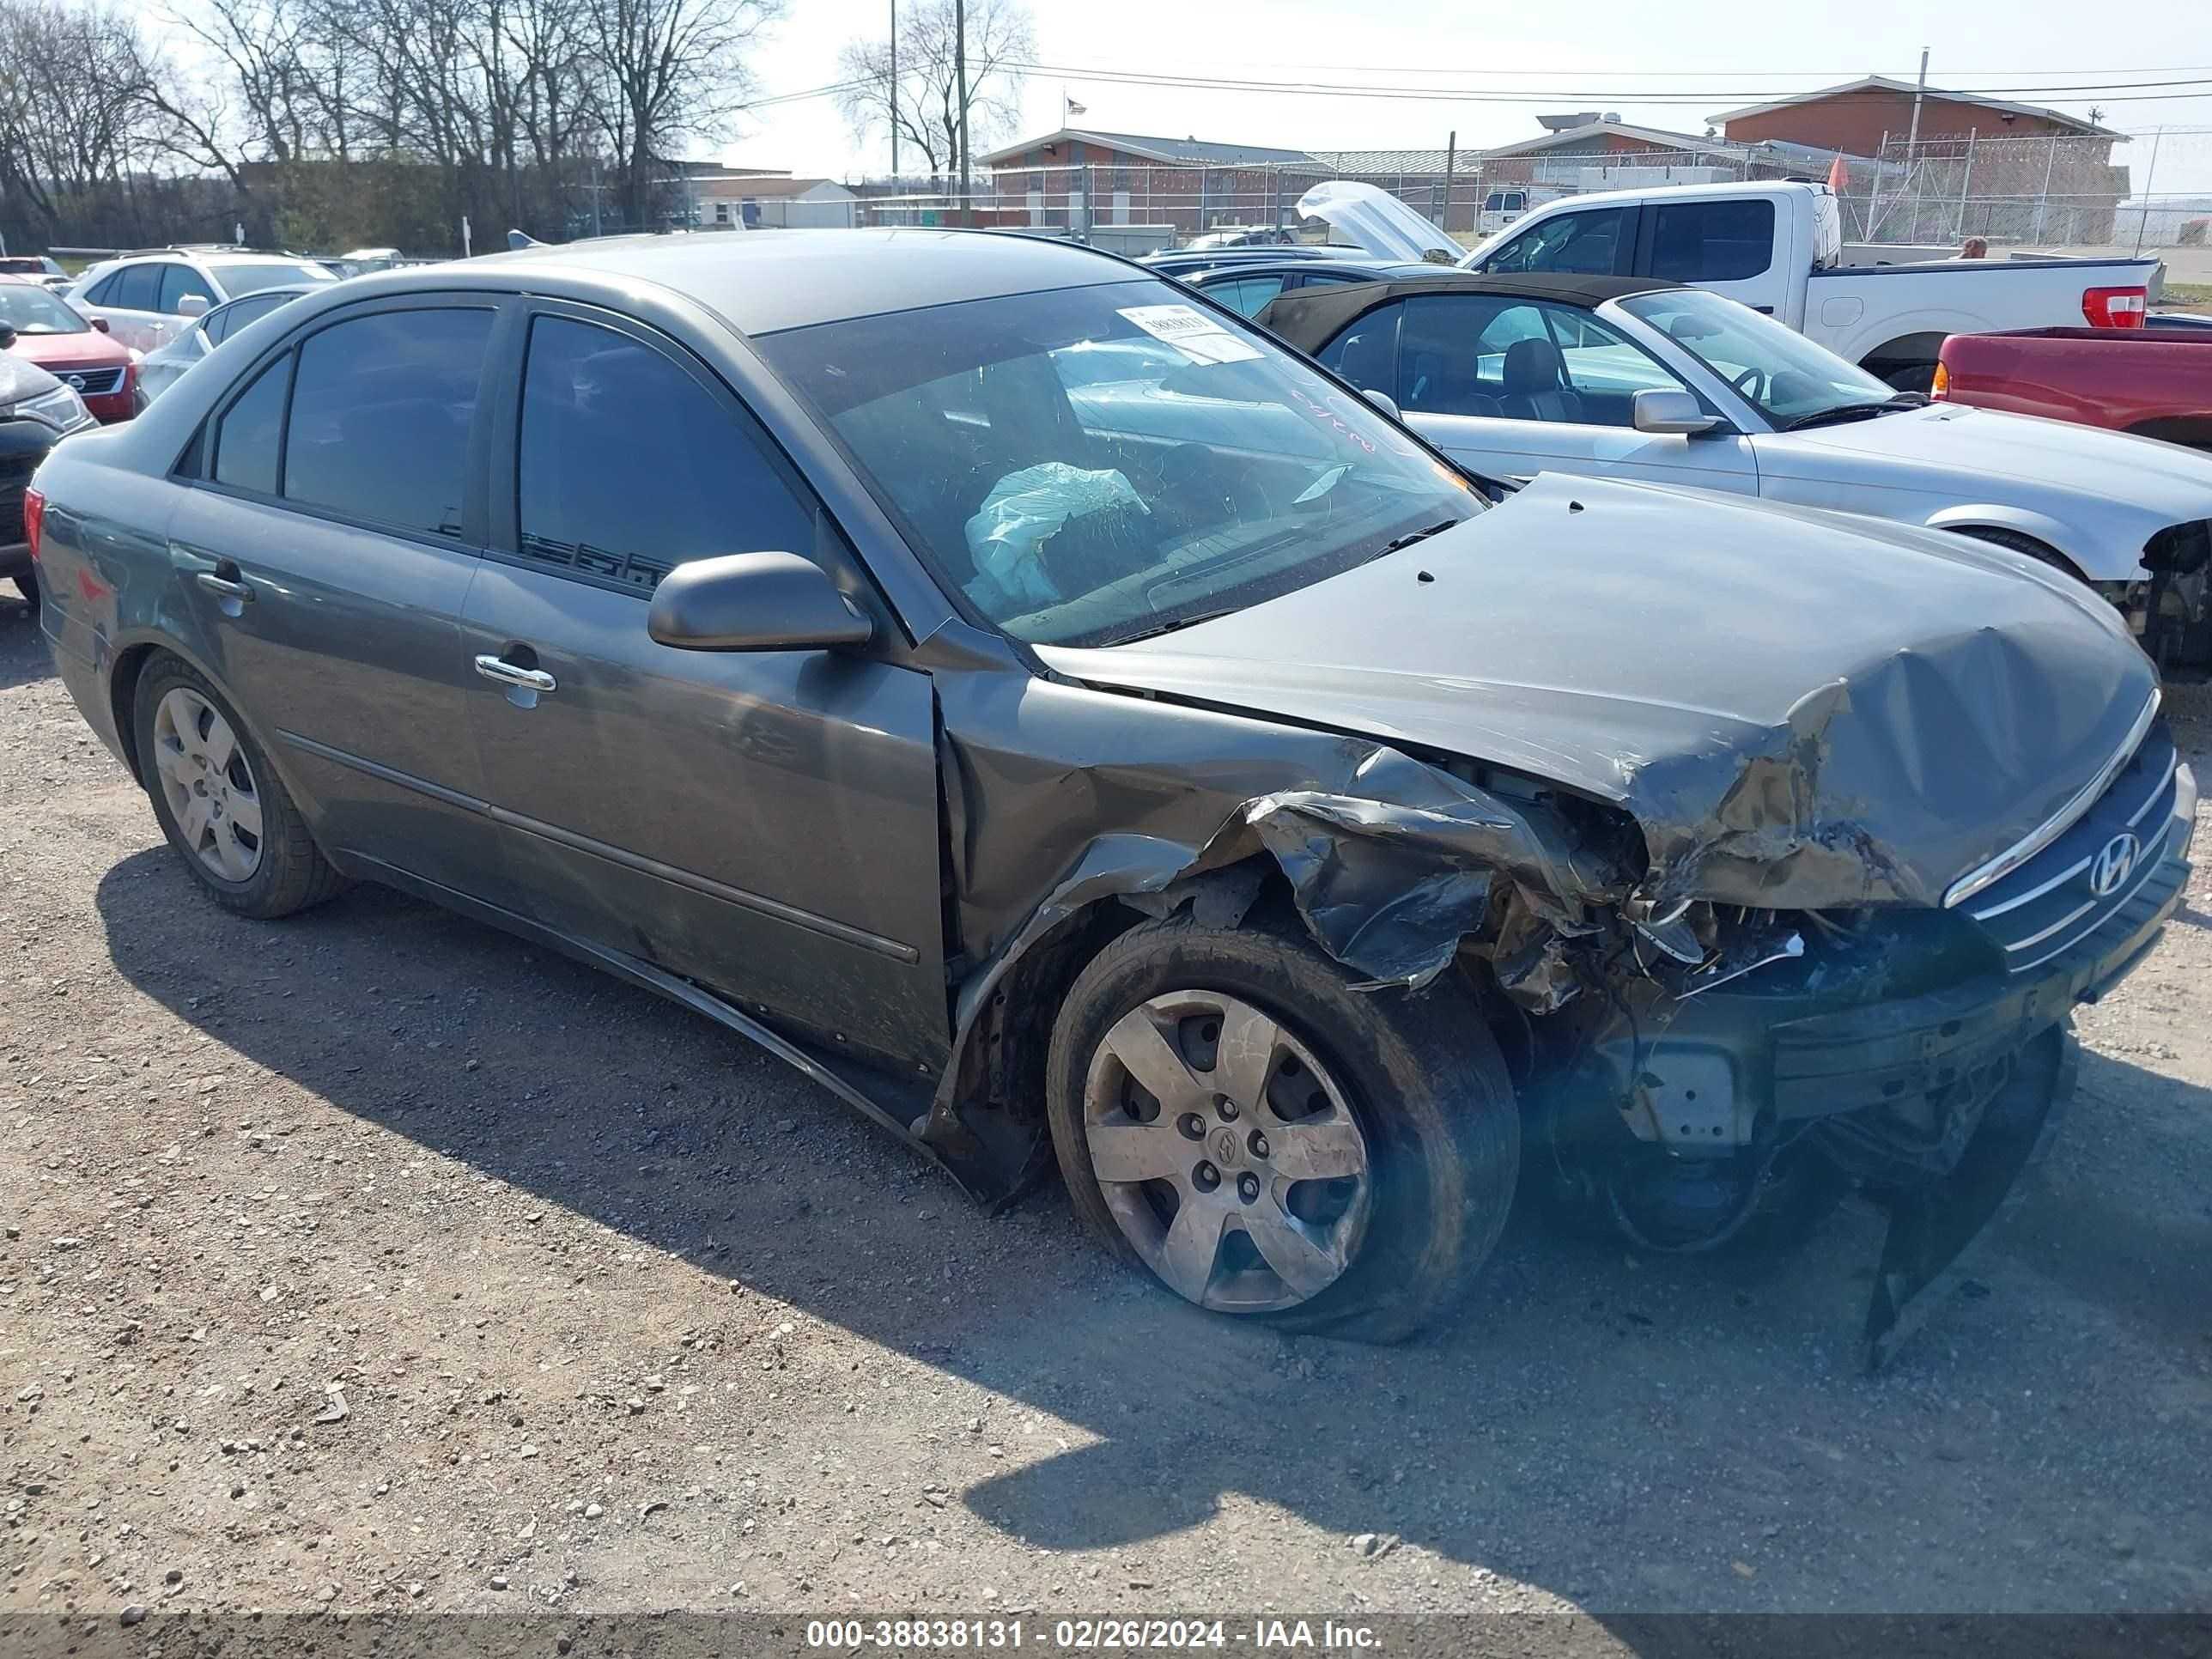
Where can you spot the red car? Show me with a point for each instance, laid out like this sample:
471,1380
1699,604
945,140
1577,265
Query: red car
2154,382
73,349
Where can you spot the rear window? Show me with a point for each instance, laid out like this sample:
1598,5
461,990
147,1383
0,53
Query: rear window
247,439
135,288
382,409
1713,242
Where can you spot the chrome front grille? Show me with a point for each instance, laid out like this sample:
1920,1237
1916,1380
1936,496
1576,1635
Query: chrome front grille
90,382
2073,886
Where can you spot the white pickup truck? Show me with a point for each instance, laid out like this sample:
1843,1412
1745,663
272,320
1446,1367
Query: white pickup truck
1779,249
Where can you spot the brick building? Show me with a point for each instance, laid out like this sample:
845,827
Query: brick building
1854,116
1077,175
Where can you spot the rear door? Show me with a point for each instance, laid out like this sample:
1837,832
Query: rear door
765,822
325,555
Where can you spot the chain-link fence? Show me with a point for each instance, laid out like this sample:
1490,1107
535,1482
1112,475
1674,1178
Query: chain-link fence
2149,193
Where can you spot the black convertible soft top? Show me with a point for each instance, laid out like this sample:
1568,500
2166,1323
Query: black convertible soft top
1309,319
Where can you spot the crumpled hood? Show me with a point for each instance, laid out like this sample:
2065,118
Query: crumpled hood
1972,445
1800,709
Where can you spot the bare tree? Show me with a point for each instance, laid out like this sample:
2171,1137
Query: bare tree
1001,37
667,69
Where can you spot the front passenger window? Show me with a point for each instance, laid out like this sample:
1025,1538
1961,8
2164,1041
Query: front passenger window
1588,243
628,466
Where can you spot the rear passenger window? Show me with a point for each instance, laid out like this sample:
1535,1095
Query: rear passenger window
628,467
1712,241
381,407
136,287
103,292
245,442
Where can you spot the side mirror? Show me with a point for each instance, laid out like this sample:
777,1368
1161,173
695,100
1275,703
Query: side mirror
1383,401
7,335
753,602
99,323
1674,412
192,305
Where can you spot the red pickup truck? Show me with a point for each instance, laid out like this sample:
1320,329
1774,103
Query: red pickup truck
2154,382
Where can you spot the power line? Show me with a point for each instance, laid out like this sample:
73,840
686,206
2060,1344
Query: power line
1906,75
2107,92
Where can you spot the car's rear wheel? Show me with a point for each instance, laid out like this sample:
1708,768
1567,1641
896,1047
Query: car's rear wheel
1232,1117
27,586
220,802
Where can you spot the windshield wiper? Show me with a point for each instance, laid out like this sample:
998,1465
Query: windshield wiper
1173,624
1855,411
1422,534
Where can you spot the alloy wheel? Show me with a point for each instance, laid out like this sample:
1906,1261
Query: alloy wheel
208,785
1228,1154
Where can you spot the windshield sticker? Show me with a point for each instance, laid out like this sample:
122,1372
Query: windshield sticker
1192,332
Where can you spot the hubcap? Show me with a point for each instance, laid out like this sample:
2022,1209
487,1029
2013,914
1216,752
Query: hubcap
1228,1156
209,787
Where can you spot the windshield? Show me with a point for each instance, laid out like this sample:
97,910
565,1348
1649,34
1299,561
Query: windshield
29,309
252,279
1087,466
1780,372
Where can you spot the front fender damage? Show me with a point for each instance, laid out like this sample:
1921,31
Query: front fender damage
1393,866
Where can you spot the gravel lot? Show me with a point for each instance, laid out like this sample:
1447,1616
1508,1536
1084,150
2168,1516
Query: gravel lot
372,1260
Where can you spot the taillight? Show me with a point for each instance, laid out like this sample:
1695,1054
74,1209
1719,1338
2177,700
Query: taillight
35,519
2115,307
1943,386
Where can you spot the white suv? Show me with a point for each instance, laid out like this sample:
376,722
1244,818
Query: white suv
150,297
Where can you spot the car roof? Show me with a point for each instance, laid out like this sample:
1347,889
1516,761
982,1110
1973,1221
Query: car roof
765,281
1310,317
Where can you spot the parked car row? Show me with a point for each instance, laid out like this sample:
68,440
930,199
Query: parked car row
1516,371
1072,725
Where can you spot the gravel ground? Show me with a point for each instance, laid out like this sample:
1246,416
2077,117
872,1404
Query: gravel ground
372,1260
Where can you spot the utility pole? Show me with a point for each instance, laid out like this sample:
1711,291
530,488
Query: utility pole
1451,155
894,92
960,75
1912,138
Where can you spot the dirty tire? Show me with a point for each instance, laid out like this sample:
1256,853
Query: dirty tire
292,873
27,586
1419,1071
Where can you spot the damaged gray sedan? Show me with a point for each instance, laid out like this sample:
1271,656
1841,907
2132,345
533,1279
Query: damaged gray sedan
1074,730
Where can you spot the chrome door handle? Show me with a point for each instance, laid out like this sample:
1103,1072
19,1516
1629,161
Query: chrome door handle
498,668
224,586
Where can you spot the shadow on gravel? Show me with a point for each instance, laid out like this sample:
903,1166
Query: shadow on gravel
1586,1396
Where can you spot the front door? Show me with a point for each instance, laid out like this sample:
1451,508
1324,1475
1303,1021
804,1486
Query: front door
324,558
764,823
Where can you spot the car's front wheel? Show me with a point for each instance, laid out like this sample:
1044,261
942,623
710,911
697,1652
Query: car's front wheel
220,802
1266,1141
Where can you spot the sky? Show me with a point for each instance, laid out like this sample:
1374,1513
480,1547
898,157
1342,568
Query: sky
1548,57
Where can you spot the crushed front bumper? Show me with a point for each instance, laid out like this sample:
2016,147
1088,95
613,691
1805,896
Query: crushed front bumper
1986,1062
